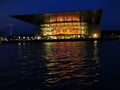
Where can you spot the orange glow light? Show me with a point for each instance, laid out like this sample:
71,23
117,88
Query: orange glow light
64,18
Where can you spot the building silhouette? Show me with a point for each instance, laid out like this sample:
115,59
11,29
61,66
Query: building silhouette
65,25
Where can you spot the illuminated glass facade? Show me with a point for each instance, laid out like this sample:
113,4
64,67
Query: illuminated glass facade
65,25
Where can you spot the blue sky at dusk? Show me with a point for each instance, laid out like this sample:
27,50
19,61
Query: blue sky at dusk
110,19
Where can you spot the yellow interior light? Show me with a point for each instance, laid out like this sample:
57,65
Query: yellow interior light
95,35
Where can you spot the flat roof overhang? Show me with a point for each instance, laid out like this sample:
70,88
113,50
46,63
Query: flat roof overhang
37,19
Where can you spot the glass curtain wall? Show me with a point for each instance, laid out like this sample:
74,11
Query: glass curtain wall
64,26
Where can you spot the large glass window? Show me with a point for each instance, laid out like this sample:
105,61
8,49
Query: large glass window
64,24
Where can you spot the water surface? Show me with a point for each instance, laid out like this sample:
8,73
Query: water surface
83,65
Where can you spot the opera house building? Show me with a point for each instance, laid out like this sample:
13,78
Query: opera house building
65,25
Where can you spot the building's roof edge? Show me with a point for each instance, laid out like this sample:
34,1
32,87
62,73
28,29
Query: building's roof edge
52,12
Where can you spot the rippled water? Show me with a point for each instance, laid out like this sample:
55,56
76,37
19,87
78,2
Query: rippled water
50,65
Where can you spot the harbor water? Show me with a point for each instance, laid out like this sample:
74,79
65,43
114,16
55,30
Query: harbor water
76,65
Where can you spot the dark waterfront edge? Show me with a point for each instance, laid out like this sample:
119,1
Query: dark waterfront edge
61,40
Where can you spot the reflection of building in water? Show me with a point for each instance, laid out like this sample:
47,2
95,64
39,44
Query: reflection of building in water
70,66
65,25
58,64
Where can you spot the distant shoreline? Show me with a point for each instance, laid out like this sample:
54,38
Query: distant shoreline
61,40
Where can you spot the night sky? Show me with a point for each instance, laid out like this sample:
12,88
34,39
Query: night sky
110,19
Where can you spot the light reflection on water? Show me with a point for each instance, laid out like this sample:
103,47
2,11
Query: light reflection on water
54,65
